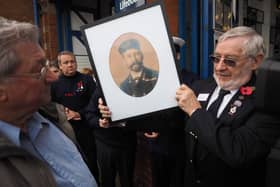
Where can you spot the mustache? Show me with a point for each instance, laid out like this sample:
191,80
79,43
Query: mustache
221,73
136,63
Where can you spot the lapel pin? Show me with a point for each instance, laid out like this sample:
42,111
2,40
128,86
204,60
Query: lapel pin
232,110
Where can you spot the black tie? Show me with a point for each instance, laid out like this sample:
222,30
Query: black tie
216,104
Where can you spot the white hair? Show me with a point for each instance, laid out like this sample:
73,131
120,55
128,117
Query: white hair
254,44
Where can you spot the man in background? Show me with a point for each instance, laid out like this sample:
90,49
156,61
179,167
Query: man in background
56,112
73,90
188,77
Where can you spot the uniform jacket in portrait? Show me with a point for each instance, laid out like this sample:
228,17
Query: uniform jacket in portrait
141,86
231,150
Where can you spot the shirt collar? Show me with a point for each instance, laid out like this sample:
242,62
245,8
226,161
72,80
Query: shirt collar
34,125
232,92
10,131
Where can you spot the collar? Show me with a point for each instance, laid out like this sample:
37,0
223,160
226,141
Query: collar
218,88
69,77
34,126
11,132
141,74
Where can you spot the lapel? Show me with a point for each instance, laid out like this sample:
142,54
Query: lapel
235,113
239,107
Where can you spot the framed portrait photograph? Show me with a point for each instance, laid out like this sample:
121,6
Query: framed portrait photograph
134,61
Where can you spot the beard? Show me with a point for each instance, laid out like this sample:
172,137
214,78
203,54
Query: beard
136,66
242,78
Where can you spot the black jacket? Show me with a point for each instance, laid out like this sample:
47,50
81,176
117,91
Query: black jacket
231,150
73,92
141,86
113,136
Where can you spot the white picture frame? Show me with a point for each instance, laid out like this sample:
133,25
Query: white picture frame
147,25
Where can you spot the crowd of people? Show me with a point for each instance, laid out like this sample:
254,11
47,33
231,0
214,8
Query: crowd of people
55,128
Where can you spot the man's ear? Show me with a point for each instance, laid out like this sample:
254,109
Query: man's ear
3,94
59,67
258,60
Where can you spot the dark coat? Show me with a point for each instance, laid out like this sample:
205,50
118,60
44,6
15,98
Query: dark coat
141,86
231,150
118,137
20,168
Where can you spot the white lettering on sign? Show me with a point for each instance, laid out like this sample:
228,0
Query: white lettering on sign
126,3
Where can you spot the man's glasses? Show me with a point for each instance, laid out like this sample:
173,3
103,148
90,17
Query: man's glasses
227,61
40,75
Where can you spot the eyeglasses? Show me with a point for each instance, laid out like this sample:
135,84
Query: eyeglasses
227,61
40,75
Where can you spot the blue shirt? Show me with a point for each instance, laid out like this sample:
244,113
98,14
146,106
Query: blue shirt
44,140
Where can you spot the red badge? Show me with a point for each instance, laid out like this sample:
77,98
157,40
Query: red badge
247,90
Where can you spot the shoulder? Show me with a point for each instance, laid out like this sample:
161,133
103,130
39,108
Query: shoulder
82,76
124,83
85,78
150,72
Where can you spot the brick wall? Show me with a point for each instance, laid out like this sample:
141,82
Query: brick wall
172,12
21,10
48,27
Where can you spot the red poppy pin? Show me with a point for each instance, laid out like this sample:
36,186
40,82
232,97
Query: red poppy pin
247,90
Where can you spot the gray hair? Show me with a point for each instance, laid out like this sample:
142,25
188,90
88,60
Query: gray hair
11,33
254,44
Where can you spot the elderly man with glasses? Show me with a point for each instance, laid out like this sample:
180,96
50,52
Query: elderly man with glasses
33,151
227,138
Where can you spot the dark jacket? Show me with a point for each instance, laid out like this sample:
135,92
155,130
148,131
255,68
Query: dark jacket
141,86
20,168
170,126
231,150
73,92
113,136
